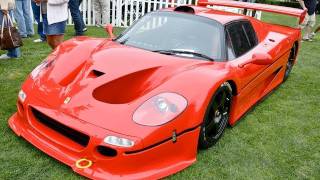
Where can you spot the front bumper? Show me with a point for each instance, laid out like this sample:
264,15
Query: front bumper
150,163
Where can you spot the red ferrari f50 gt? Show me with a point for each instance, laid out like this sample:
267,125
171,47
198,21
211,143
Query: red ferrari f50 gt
138,106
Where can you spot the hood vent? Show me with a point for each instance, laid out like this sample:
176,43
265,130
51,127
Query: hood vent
97,73
135,85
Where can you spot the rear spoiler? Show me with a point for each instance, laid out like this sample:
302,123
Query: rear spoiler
257,6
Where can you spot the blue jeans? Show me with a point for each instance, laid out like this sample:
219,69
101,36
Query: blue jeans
36,14
23,16
76,16
53,29
15,52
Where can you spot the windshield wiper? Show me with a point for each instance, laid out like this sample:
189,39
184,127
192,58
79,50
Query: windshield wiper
175,52
124,41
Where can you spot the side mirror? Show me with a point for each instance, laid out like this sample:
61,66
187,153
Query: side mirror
259,59
109,30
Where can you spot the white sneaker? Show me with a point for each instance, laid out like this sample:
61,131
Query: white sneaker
38,41
311,36
306,40
4,56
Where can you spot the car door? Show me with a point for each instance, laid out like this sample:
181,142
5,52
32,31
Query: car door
242,43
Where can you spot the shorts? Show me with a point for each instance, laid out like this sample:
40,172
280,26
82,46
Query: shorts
309,20
53,29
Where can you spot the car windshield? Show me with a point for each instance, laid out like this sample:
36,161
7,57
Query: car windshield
179,34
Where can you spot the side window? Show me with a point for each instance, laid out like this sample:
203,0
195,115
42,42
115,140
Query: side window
242,38
250,33
230,51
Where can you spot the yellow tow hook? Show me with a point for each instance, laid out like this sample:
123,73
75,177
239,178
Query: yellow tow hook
83,163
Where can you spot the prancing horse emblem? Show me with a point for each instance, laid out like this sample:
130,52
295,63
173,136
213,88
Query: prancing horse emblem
67,100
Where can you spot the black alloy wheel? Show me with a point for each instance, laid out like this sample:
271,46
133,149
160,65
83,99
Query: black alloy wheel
290,63
216,117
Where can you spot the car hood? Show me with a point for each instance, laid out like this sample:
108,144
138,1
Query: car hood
104,86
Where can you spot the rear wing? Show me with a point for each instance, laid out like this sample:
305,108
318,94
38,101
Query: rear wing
299,13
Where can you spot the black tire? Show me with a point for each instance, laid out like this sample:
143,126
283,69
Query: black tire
290,62
216,117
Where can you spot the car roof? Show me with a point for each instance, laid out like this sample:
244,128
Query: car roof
221,16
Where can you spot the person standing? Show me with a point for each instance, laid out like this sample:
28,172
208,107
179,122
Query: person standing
102,14
245,11
310,19
6,8
23,17
37,17
77,18
54,15
318,28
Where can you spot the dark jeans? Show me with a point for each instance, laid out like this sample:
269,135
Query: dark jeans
76,16
36,14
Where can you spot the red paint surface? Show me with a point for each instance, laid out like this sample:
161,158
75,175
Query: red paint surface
130,77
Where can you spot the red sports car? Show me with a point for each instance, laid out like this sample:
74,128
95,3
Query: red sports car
139,106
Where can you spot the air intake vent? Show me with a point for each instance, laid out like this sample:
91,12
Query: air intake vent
106,151
66,131
185,9
97,73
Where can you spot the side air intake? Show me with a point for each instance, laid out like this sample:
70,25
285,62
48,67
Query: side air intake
185,9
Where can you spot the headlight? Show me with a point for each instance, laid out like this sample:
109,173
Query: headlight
117,141
22,96
44,65
160,109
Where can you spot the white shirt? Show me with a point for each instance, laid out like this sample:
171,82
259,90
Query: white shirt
6,4
57,11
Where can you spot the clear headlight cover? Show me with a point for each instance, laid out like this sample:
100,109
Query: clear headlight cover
117,141
160,109
22,95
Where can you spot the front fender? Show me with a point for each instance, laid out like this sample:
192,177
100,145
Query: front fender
197,86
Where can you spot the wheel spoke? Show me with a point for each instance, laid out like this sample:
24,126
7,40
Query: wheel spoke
226,106
211,114
222,100
211,126
218,115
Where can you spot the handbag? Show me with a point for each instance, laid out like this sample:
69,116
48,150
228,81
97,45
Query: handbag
9,35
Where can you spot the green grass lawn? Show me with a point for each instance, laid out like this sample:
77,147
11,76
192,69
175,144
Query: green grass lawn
279,139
